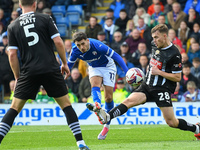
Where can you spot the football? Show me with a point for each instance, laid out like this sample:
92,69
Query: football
135,76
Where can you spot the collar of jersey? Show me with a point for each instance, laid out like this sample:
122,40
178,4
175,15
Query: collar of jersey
27,13
166,47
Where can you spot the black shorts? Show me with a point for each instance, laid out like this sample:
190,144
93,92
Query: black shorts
27,86
160,95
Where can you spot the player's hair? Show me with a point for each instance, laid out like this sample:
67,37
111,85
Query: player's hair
78,36
162,28
27,2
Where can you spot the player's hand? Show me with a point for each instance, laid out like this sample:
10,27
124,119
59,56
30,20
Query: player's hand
15,84
65,69
154,70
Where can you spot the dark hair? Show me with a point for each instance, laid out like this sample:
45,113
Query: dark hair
144,55
186,65
161,15
196,59
109,10
109,18
162,28
157,4
123,10
27,2
78,36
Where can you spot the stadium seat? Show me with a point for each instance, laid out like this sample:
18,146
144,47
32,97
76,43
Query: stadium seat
75,14
58,10
64,26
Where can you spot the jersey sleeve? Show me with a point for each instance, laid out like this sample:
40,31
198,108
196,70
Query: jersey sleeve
120,61
72,59
175,63
53,30
12,41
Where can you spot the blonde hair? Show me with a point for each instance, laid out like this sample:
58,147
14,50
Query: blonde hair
144,12
191,84
127,24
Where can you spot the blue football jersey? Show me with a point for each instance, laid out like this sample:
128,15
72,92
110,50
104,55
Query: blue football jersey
98,55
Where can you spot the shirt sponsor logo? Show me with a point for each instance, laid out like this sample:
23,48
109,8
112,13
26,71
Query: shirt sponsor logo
156,63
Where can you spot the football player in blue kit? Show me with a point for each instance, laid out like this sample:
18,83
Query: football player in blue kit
102,70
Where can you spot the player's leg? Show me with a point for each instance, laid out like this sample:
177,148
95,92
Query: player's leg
72,119
172,121
134,99
8,119
109,104
96,83
26,88
55,86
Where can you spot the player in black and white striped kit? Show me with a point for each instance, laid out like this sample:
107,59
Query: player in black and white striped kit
33,34
163,73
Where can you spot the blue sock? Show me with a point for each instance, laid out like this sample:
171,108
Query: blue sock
108,107
96,94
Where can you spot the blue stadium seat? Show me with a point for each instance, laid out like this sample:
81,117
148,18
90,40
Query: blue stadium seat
75,14
64,26
58,10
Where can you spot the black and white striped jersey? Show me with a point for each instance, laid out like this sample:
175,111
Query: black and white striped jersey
32,33
167,59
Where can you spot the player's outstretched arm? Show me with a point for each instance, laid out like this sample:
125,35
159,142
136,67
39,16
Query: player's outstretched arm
120,61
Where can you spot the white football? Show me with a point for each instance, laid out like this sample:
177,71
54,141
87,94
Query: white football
135,76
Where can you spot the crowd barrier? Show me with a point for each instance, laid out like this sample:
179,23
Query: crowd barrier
149,113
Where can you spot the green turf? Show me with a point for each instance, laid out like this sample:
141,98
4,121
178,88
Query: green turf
120,137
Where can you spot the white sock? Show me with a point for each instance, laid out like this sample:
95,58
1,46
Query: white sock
197,130
107,126
80,142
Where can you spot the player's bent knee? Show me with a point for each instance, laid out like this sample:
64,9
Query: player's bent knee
108,99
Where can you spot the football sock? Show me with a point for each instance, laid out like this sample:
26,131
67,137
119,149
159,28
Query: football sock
107,126
73,123
96,94
183,125
108,107
6,122
118,111
80,143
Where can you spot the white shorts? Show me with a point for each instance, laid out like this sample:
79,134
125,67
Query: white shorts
108,74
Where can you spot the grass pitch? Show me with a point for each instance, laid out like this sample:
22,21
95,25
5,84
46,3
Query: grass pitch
120,137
